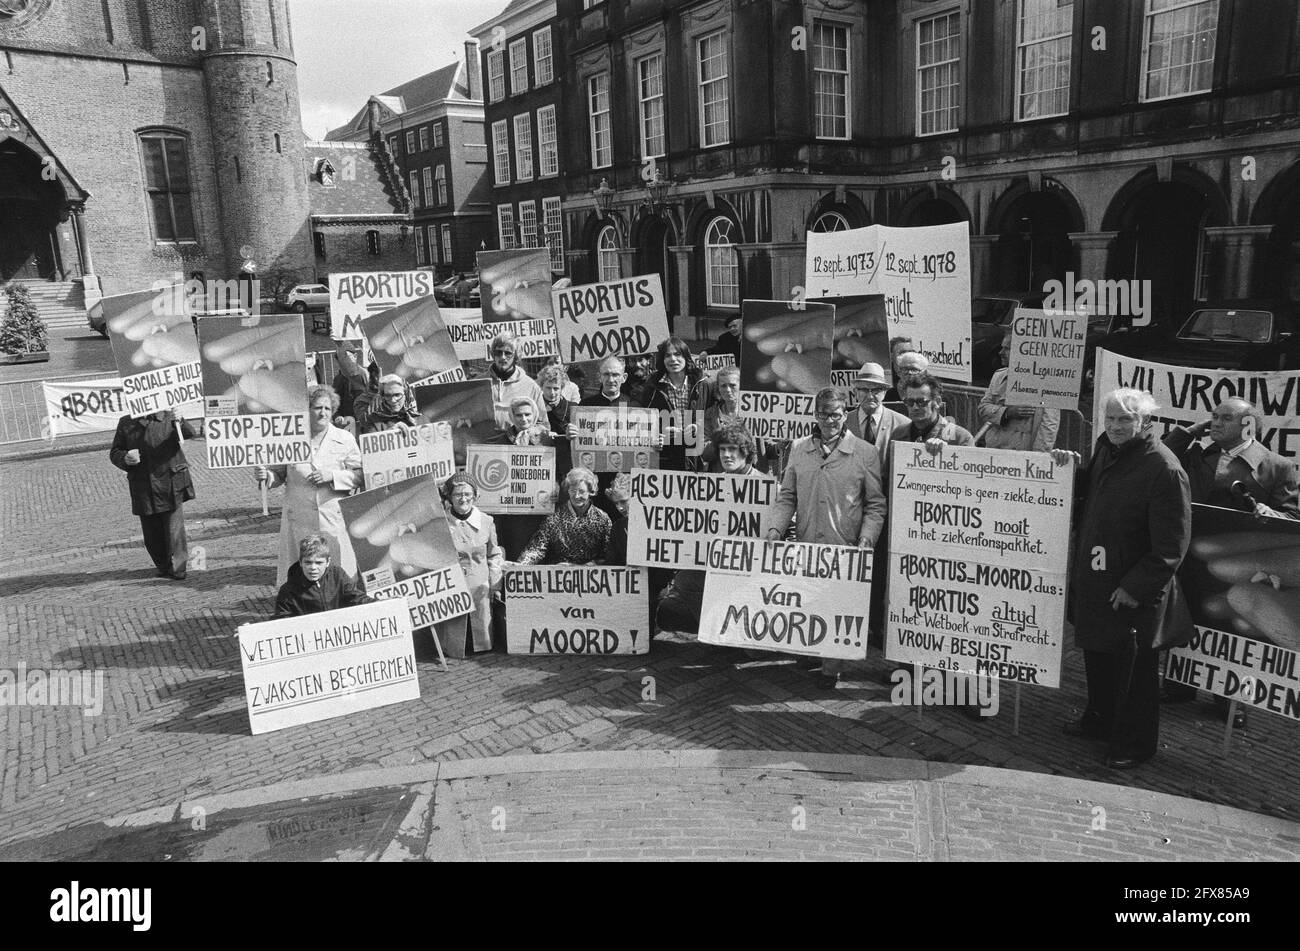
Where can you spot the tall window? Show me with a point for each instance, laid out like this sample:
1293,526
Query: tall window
528,224
424,138
938,77
650,99
421,246
830,221
831,79
167,185
410,142
548,148
722,269
501,152
518,67
496,65
607,255
523,148
715,93
1178,47
392,145
428,185
372,242
415,189
440,176
506,226
437,135
1043,58
543,60
602,152
553,230
446,243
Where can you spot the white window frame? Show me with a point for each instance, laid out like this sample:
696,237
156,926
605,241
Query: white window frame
1023,53
528,233
496,64
607,265
437,135
428,185
523,147
542,76
500,152
446,244
844,75
553,231
440,178
835,219
424,138
421,247
732,267
723,81
548,147
433,245
1172,8
644,103
415,189
410,142
598,121
392,145
506,227
518,65
953,63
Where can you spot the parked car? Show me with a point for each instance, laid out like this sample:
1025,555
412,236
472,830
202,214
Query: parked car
1242,334
990,316
305,297
445,292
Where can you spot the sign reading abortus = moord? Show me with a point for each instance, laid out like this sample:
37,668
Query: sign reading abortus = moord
610,319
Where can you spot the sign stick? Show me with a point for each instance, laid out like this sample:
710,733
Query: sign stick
262,486
433,631
1015,720
1227,727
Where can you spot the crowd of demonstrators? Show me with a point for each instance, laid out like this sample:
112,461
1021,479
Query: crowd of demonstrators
679,391
474,534
1005,425
315,583
509,381
158,477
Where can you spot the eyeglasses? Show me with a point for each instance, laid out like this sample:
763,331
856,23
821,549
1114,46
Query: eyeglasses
872,390
502,352
394,395
918,401
829,417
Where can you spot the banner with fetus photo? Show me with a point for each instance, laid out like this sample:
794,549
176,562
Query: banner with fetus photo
411,341
154,347
515,285
466,407
861,336
1241,578
254,390
404,549
785,358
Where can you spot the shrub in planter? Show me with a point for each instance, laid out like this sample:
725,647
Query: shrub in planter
22,330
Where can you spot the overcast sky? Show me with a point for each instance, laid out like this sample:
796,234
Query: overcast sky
349,49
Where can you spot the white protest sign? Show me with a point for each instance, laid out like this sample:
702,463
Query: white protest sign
404,452
93,406
472,337
304,669
614,318
711,363
779,416
154,347
1252,672
513,480
978,550
354,296
615,438
1047,351
675,515
568,609
793,597
785,358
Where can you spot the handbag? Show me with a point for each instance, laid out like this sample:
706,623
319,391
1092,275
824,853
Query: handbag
1175,628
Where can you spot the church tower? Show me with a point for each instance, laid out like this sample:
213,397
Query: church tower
256,120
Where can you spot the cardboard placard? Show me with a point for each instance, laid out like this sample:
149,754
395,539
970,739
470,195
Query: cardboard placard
155,349
513,480
1047,352
570,609
785,358
610,319
515,284
405,452
674,516
356,295
411,341
615,438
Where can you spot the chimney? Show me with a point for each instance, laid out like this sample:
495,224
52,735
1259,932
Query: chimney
473,67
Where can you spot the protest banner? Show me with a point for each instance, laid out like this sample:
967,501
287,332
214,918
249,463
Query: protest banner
572,609
472,338
675,515
83,406
978,553
1047,351
514,285
1187,395
404,549
157,356
411,341
316,666
610,319
405,452
785,358
467,407
513,480
861,336
356,295
615,438
923,273
711,363
792,597
254,390
1241,577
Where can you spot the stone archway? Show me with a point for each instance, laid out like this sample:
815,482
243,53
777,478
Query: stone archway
1033,236
32,205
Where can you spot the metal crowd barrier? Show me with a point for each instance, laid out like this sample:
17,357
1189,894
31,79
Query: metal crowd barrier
22,407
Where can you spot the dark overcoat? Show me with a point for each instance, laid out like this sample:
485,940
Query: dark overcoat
1135,526
161,480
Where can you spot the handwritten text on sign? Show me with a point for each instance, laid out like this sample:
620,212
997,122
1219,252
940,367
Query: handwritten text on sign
304,669
267,439
613,318
979,542
405,452
675,515
1046,359
780,416
562,609
472,337
792,597
357,295
513,480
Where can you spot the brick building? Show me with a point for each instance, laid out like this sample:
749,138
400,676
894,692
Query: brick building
432,127
1157,139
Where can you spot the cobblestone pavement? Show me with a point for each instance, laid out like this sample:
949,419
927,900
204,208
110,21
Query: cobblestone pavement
79,592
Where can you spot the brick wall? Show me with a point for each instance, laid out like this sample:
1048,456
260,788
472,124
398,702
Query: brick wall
346,250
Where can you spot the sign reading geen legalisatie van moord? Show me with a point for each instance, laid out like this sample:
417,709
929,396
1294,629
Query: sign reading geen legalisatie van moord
576,609
316,666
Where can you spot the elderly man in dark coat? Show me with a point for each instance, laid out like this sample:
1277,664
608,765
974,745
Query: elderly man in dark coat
1132,536
149,451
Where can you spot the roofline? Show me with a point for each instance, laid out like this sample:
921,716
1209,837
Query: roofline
521,19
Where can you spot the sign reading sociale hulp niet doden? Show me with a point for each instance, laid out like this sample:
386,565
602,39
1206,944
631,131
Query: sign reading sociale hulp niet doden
610,319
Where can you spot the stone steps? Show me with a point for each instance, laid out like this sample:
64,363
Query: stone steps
61,304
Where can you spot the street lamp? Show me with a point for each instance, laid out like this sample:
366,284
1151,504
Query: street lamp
656,190
604,196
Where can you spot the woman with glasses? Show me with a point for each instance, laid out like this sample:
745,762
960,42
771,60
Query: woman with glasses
680,393
392,406
509,381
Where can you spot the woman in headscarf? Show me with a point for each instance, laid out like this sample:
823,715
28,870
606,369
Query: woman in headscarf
474,534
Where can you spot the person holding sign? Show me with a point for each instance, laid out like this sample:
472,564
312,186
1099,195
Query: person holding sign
149,451
314,584
474,534
578,532
679,390
509,381
833,484
1015,427
923,397
1135,527
312,490
386,409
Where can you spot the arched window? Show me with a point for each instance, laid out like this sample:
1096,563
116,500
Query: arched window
721,267
830,221
607,254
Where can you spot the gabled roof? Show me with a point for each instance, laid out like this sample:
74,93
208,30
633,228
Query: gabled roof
449,82
360,187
